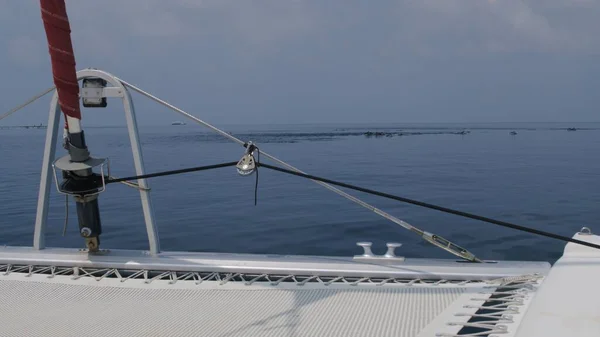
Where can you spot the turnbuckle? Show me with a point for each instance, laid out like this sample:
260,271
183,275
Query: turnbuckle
449,246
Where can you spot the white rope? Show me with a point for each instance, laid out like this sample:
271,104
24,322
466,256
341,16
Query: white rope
29,101
516,280
275,159
500,309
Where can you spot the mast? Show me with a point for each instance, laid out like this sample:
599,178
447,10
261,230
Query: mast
78,178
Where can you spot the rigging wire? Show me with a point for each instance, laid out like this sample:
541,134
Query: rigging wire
429,237
64,232
435,207
256,172
459,251
275,159
29,101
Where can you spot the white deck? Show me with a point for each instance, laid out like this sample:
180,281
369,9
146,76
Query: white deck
60,292
272,264
568,303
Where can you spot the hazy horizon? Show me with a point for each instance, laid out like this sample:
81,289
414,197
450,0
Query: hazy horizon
357,125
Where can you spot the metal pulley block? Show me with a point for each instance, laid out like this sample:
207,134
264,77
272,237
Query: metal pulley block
247,165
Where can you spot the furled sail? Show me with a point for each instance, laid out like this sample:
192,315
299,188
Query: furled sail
58,33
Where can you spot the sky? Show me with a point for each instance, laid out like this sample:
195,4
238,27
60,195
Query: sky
321,61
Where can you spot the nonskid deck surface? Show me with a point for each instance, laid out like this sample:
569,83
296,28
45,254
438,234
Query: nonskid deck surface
195,294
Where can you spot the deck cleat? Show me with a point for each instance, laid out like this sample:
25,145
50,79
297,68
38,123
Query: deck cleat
391,252
389,256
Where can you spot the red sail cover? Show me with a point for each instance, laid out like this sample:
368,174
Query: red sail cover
58,32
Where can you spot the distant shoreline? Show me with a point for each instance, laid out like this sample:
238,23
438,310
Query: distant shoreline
23,126
366,127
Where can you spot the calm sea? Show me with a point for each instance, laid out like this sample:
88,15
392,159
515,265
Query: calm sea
544,177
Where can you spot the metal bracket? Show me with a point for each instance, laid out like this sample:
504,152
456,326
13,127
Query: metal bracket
97,93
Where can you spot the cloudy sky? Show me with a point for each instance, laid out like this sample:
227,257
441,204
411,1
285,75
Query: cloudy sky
323,61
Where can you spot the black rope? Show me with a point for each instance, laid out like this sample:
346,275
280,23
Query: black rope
435,207
168,173
256,182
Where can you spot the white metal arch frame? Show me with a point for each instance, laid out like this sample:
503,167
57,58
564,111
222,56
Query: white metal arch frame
117,90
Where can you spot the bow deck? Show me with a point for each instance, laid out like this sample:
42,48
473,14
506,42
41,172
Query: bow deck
191,294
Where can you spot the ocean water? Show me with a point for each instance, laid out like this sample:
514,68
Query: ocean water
544,177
